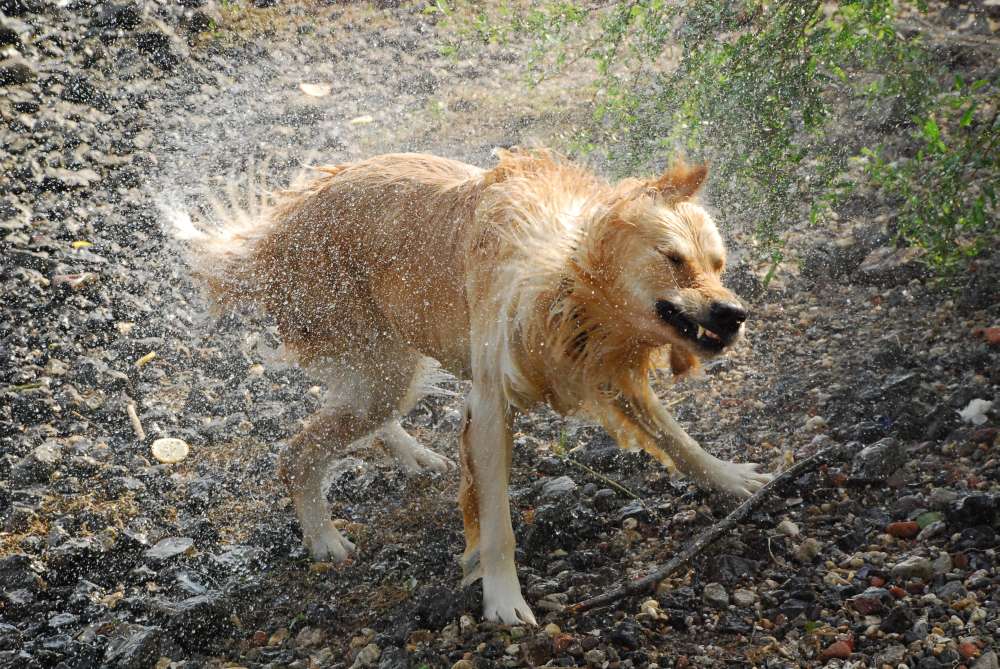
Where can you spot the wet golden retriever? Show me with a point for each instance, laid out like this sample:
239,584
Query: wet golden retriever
536,279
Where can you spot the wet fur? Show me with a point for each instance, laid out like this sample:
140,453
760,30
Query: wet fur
536,279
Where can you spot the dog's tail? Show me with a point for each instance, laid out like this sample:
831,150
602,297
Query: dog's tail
220,237
222,234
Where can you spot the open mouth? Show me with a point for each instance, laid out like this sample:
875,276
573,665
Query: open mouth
692,331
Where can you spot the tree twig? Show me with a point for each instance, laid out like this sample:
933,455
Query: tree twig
133,417
829,455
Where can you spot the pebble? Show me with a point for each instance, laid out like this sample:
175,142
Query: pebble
787,528
716,595
807,550
838,650
595,657
164,549
558,487
987,660
463,664
552,630
169,450
914,566
367,656
906,529
744,598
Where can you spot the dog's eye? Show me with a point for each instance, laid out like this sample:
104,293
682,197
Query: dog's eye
674,257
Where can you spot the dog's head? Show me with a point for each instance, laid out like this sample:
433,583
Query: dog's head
664,257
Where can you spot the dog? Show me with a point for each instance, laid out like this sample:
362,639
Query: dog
536,279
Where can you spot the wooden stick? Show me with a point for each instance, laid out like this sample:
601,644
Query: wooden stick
826,456
133,416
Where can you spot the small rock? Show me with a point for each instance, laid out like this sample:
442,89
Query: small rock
133,647
552,630
906,529
872,600
367,656
940,498
975,411
879,461
808,550
169,450
463,664
558,487
915,566
814,423
838,650
716,595
744,598
595,657
787,528
887,266
15,71
987,660
942,563
169,547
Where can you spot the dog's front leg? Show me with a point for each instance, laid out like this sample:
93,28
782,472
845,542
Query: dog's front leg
642,412
486,453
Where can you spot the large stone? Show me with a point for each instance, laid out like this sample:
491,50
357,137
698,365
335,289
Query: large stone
879,461
887,266
16,71
558,487
133,647
914,566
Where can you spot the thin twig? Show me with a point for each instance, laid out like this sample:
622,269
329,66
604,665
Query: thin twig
133,417
829,455
611,482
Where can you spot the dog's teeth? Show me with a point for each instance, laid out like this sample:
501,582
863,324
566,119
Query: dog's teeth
701,331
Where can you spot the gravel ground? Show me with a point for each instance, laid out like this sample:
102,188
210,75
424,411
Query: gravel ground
110,558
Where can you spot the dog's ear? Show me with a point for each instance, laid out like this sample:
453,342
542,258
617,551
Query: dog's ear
680,182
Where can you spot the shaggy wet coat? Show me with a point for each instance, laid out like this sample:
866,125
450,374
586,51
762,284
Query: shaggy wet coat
536,279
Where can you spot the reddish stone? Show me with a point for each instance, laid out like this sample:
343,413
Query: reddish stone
960,560
899,593
992,336
968,650
904,529
259,638
876,581
984,435
560,642
870,601
840,650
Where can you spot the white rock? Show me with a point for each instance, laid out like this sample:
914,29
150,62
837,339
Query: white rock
788,528
169,450
975,411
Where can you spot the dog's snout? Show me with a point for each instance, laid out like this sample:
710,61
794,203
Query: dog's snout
727,316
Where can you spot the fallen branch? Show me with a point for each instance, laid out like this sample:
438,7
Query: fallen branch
826,456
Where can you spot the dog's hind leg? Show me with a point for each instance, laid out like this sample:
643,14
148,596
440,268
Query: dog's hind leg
409,452
361,405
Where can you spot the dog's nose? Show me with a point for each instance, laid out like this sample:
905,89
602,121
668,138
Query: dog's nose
727,316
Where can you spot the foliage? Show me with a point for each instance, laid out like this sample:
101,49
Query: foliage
946,191
763,91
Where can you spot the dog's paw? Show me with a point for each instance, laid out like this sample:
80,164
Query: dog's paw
503,602
414,457
328,545
428,459
739,479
